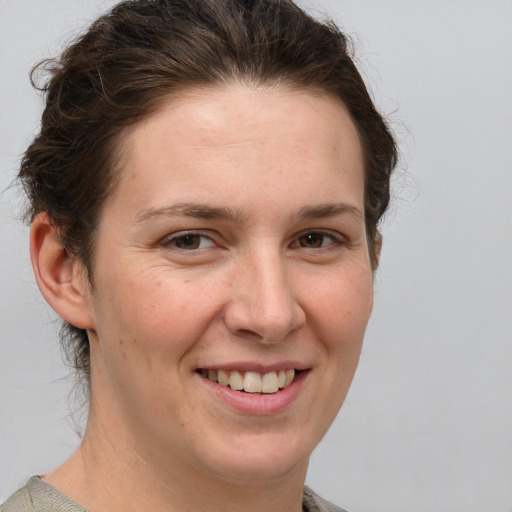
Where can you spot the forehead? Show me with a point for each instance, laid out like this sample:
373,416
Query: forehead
214,141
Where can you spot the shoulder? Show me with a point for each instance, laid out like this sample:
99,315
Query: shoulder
20,501
311,502
38,496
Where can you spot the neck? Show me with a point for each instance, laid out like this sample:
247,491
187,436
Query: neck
109,472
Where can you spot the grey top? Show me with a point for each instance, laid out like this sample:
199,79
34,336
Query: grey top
38,496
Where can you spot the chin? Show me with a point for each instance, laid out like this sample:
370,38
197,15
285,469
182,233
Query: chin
252,472
260,460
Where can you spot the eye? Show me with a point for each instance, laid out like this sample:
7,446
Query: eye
188,241
316,240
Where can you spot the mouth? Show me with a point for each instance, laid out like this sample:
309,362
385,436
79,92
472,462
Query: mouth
249,381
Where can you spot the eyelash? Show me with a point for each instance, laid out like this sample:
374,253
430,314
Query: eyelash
336,240
172,240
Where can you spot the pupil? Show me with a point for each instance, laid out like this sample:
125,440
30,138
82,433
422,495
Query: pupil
188,242
312,240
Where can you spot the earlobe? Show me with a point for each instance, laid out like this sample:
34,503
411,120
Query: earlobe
59,275
377,247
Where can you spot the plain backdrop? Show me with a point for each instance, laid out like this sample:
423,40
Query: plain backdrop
428,422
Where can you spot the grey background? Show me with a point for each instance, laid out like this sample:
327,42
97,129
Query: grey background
428,422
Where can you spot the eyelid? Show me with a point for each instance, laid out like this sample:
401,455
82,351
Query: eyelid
337,238
169,239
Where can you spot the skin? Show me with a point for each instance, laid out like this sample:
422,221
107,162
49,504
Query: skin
277,279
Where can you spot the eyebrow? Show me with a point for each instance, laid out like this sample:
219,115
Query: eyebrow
199,211
329,210
206,211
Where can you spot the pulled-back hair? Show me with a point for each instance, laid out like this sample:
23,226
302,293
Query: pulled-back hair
137,56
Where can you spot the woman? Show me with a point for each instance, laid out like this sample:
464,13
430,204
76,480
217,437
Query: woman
205,194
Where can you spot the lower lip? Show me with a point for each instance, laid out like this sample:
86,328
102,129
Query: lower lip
258,403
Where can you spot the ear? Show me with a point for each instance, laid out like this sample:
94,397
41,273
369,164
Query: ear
61,277
377,248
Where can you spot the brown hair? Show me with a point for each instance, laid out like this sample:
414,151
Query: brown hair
140,53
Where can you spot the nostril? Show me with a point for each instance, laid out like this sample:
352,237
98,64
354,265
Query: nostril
249,334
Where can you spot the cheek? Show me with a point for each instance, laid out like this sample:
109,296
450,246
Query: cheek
145,327
339,308
157,313
341,312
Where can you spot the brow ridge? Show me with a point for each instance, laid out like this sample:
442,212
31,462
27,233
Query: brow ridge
206,211
197,210
328,210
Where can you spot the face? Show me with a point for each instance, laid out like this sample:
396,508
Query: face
232,282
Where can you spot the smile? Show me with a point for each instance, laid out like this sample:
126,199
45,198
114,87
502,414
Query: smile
251,382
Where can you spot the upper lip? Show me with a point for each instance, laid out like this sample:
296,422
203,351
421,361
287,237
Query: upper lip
247,366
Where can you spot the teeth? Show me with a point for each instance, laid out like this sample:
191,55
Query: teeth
281,379
269,383
223,378
251,382
236,381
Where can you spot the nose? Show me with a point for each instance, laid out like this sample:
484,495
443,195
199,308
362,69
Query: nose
263,304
